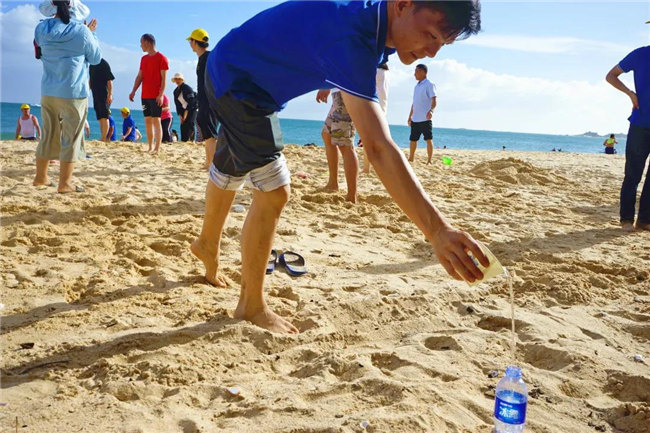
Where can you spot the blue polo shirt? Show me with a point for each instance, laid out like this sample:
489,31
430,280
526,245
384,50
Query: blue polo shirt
422,95
111,123
67,50
129,123
639,62
300,46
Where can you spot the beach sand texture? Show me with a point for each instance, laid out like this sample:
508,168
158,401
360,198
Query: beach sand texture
127,337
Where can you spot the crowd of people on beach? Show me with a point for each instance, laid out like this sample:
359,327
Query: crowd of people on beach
248,78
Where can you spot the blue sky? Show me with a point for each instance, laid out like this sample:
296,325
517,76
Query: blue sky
536,67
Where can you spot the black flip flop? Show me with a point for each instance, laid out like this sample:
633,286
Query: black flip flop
273,259
294,263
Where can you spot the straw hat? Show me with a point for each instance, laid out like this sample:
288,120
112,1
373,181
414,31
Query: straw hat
178,76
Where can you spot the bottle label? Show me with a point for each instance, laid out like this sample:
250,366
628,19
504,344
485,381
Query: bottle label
510,413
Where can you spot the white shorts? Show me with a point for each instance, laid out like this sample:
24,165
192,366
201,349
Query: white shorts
266,178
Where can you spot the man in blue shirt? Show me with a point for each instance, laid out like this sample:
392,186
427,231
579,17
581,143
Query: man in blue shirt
111,135
424,102
292,49
128,125
637,148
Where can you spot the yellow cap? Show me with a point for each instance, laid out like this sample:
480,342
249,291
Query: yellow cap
22,107
199,35
125,110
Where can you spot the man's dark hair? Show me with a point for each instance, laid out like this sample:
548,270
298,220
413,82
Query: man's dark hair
202,44
422,67
149,38
611,135
63,10
463,17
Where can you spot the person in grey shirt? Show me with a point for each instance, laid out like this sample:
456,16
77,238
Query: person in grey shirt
424,102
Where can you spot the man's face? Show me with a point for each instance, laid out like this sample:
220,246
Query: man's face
178,81
25,111
144,45
124,115
193,45
420,74
416,35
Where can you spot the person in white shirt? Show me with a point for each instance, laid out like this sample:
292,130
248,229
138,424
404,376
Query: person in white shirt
424,102
27,127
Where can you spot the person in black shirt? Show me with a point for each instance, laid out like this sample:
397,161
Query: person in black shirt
206,119
101,84
186,105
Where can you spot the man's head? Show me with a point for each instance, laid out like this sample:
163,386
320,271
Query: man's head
125,112
418,29
178,78
421,71
25,109
199,40
611,135
147,42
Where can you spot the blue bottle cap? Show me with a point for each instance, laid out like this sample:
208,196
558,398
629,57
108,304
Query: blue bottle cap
513,372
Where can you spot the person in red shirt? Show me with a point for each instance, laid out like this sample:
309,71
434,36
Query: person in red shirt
152,76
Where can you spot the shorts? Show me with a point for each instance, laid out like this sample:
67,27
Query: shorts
338,123
249,139
421,128
150,108
207,122
610,150
63,129
100,106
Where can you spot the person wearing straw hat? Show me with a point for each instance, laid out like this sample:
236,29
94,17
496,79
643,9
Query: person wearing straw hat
186,105
27,127
637,148
206,120
67,47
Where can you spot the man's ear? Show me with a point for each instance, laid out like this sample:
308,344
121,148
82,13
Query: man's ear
401,6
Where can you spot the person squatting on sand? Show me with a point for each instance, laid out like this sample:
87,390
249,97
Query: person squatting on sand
317,45
67,48
27,127
206,121
637,148
152,75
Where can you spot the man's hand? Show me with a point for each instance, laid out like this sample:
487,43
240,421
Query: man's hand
408,122
109,99
451,247
159,100
131,96
322,95
635,100
429,114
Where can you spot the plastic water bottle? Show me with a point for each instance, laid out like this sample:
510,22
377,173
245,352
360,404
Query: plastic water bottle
510,403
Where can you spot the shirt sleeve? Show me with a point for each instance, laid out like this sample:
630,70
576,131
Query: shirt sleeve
164,63
632,60
92,52
432,91
351,65
109,73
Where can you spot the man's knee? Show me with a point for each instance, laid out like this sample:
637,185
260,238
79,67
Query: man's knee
277,198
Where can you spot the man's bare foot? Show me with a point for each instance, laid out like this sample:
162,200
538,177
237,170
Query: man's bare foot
627,226
429,162
267,319
210,260
352,198
65,189
331,187
642,226
410,160
41,182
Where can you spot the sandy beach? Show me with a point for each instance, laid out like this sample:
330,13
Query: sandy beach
108,325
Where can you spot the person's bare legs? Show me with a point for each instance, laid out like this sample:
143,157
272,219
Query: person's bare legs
412,145
366,163
157,134
206,246
41,172
332,154
65,177
429,151
256,242
148,123
351,170
210,148
103,126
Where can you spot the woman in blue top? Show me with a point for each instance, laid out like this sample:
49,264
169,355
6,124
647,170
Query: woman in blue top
67,48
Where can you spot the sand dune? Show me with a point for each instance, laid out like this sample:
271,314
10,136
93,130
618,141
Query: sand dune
127,337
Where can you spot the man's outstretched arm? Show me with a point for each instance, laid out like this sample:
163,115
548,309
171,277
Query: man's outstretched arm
449,244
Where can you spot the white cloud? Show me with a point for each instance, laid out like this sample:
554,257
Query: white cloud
547,45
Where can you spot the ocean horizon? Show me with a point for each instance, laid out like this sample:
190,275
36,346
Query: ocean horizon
301,132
